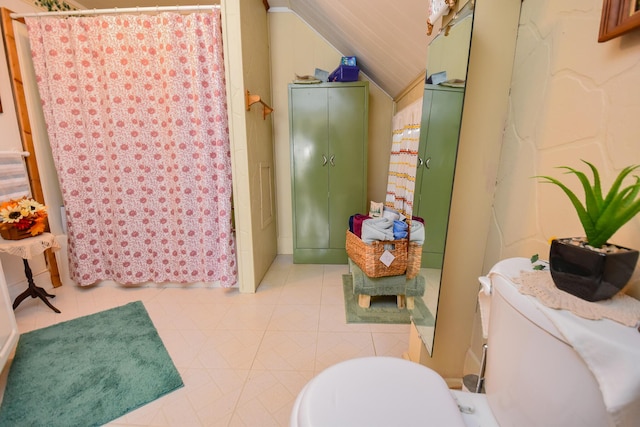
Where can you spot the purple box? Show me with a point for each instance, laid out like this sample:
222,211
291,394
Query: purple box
344,73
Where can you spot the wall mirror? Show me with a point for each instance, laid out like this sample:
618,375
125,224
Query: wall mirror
447,60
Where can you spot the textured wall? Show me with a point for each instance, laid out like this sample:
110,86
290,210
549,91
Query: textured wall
571,98
297,49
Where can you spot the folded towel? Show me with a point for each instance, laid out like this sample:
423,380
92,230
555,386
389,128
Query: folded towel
377,229
400,230
355,223
417,232
392,214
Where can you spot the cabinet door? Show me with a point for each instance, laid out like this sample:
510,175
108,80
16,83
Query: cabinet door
437,153
347,160
310,165
328,130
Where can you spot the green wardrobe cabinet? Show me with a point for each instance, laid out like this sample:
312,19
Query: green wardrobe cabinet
440,128
328,135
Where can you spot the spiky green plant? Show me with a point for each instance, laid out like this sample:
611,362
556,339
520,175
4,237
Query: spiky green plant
601,216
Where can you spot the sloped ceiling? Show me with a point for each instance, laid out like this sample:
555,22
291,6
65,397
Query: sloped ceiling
387,37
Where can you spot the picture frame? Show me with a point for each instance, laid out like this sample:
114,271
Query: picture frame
618,18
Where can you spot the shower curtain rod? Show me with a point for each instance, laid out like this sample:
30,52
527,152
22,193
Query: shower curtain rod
116,10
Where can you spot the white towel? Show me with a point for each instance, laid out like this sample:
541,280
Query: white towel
612,353
610,350
14,180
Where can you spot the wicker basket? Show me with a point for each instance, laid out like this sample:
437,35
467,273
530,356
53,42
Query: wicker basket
413,260
367,257
14,234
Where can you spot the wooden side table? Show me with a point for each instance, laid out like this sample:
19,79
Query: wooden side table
27,249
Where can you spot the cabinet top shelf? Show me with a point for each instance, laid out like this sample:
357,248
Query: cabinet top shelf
441,87
330,84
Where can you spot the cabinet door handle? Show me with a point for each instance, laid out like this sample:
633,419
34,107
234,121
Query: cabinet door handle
324,160
420,161
331,160
426,162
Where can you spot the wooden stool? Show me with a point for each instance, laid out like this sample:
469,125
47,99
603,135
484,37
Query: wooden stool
403,301
404,289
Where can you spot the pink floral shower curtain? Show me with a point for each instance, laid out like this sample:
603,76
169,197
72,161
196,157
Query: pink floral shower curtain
135,108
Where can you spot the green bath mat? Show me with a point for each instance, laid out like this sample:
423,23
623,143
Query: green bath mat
87,371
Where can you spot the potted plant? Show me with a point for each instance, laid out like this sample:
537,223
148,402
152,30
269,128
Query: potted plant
590,267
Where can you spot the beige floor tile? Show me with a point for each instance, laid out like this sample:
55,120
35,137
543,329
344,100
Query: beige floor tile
301,292
333,275
214,393
246,316
390,328
225,349
332,295
335,347
333,319
295,318
301,273
389,344
180,413
268,397
183,346
243,357
287,351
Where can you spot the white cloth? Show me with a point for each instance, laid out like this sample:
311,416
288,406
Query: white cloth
610,350
14,179
31,246
484,303
612,353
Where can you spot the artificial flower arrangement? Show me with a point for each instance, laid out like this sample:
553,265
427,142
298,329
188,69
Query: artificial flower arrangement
24,216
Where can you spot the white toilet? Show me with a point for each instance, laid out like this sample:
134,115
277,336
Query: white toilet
533,378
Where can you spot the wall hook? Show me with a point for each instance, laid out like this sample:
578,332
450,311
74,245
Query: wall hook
252,99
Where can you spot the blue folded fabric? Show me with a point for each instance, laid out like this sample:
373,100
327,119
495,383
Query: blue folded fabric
400,230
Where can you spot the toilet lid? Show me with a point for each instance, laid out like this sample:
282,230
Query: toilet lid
376,391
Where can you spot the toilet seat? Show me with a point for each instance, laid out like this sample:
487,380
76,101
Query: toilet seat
376,391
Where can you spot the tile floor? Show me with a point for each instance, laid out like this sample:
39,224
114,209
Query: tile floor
243,357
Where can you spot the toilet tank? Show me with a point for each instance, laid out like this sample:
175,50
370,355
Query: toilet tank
533,377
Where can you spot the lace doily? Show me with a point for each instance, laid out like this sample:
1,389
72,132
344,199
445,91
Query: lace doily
29,247
621,308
